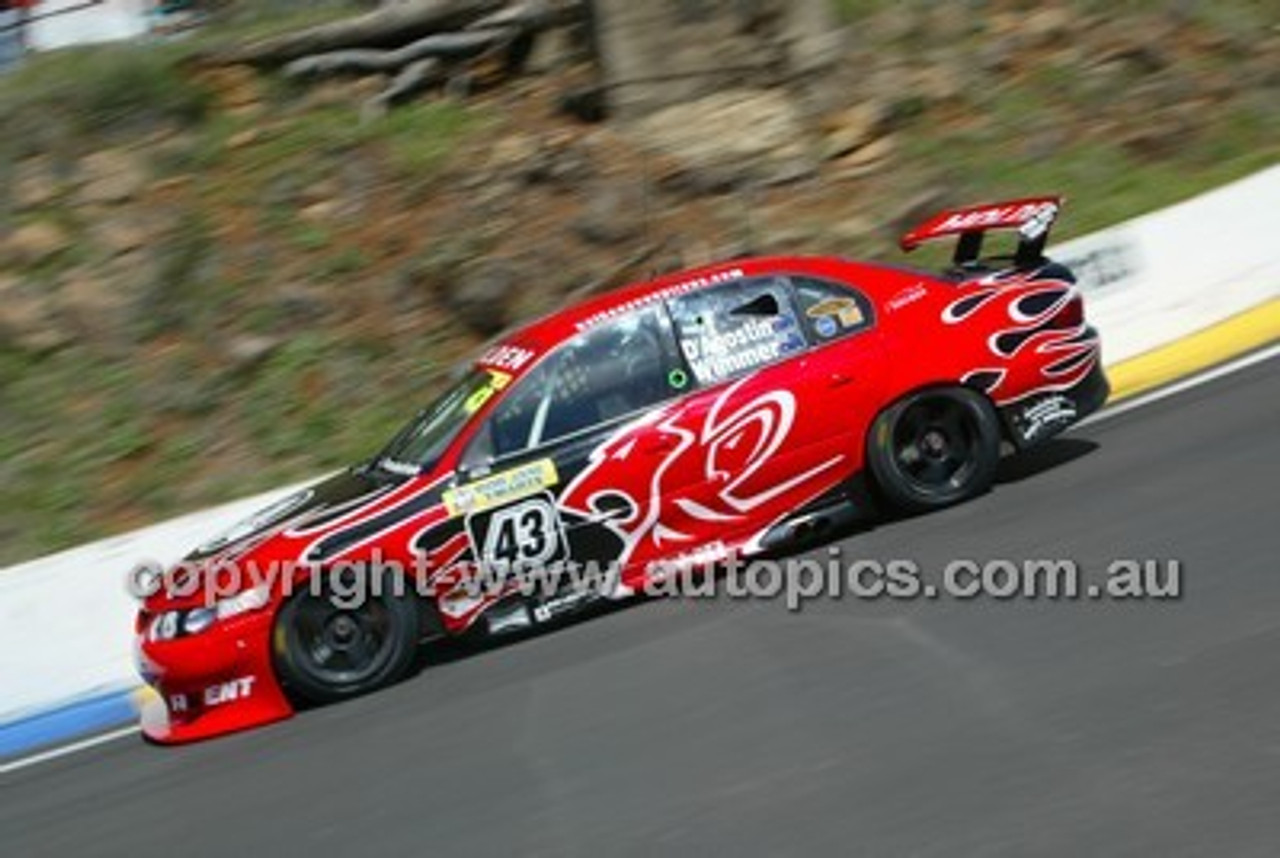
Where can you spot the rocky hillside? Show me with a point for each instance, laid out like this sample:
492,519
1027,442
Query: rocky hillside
215,281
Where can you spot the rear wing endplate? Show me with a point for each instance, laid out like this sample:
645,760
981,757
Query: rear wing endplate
1032,217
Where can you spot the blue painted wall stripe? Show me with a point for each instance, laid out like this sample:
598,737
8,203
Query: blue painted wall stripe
100,712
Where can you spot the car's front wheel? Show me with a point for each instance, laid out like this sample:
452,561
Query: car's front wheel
934,448
327,647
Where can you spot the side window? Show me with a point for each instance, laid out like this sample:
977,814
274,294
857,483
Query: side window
830,311
609,371
733,329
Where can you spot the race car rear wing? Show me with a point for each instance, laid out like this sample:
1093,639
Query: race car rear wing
1032,217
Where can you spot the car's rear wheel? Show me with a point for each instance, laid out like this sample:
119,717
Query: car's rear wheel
327,648
934,448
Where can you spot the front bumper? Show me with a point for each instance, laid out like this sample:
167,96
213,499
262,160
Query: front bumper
208,684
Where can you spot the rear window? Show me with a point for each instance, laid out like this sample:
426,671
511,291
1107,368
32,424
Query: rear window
831,311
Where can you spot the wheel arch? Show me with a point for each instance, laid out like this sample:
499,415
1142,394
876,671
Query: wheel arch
878,425
937,384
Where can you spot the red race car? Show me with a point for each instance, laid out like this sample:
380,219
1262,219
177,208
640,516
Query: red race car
720,412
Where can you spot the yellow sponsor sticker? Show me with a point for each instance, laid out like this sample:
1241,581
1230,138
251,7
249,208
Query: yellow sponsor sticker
498,381
501,488
844,309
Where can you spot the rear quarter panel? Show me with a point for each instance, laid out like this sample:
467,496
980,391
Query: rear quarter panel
1007,335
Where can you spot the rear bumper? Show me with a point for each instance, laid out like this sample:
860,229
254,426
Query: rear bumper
1038,418
212,683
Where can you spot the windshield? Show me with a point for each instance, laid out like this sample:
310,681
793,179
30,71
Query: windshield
420,444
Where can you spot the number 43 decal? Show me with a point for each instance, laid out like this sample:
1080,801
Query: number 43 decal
525,535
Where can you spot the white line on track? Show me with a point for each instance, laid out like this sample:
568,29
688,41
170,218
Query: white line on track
1192,381
64,750
1125,407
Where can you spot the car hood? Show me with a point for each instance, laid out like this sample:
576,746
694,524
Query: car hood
308,527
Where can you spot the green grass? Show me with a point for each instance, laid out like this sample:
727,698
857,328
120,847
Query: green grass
854,10
1104,182
115,90
420,138
259,20
417,138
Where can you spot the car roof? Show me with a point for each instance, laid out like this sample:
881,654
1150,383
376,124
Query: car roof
544,334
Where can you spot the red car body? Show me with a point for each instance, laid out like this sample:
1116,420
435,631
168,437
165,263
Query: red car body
747,394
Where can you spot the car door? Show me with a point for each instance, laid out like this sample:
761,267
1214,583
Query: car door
771,413
565,469
844,366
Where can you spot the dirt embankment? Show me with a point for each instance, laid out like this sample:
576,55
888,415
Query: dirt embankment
214,281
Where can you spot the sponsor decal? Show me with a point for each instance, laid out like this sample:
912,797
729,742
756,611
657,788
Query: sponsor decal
563,604
999,216
844,310
709,280
229,692
1039,223
507,357
661,295
1045,416
498,381
501,488
826,326
908,296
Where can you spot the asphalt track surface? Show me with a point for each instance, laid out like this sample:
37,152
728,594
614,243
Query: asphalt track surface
924,728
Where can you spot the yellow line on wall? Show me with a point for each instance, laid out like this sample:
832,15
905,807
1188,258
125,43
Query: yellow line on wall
1246,332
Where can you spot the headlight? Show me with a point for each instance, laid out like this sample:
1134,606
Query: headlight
164,627
198,620
168,625
249,600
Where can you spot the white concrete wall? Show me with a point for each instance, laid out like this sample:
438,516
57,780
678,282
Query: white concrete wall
1182,268
66,620
108,21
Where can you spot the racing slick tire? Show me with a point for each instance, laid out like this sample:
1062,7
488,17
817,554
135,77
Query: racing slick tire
934,448
327,649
